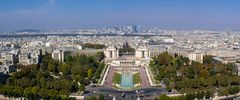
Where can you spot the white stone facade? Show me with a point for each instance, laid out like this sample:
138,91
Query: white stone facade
111,52
142,52
196,57
58,55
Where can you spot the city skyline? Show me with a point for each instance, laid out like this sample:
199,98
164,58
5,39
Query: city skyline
74,14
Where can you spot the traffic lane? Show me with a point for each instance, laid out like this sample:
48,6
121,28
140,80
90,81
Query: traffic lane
107,91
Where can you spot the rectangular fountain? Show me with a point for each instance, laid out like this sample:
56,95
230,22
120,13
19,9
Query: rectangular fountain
127,81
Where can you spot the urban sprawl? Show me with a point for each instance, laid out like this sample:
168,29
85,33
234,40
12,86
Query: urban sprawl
130,55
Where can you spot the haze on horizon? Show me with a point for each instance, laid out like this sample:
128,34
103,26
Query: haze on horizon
77,14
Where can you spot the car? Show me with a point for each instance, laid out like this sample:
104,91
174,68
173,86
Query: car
141,91
137,91
93,91
123,95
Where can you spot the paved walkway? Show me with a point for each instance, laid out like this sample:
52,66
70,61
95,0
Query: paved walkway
109,78
144,78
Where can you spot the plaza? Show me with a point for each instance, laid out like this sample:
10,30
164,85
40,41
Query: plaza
129,68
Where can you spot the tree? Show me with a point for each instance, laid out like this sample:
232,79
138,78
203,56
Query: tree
180,61
231,67
53,94
93,46
176,73
32,83
99,70
190,96
168,88
211,81
43,82
203,73
101,97
222,81
191,72
92,98
90,73
28,92
233,90
219,67
76,70
200,95
163,97
65,69
204,82
52,66
208,94
45,59
81,88
208,59
223,92
77,78
165,59
100,56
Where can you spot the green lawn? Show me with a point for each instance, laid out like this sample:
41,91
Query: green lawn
117,78
136,78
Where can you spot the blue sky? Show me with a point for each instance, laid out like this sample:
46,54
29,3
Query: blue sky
76,14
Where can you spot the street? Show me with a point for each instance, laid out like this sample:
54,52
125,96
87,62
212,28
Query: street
109,93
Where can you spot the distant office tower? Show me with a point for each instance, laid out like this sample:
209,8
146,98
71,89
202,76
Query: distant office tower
138,29
133,29
230,36
129,29
58,55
